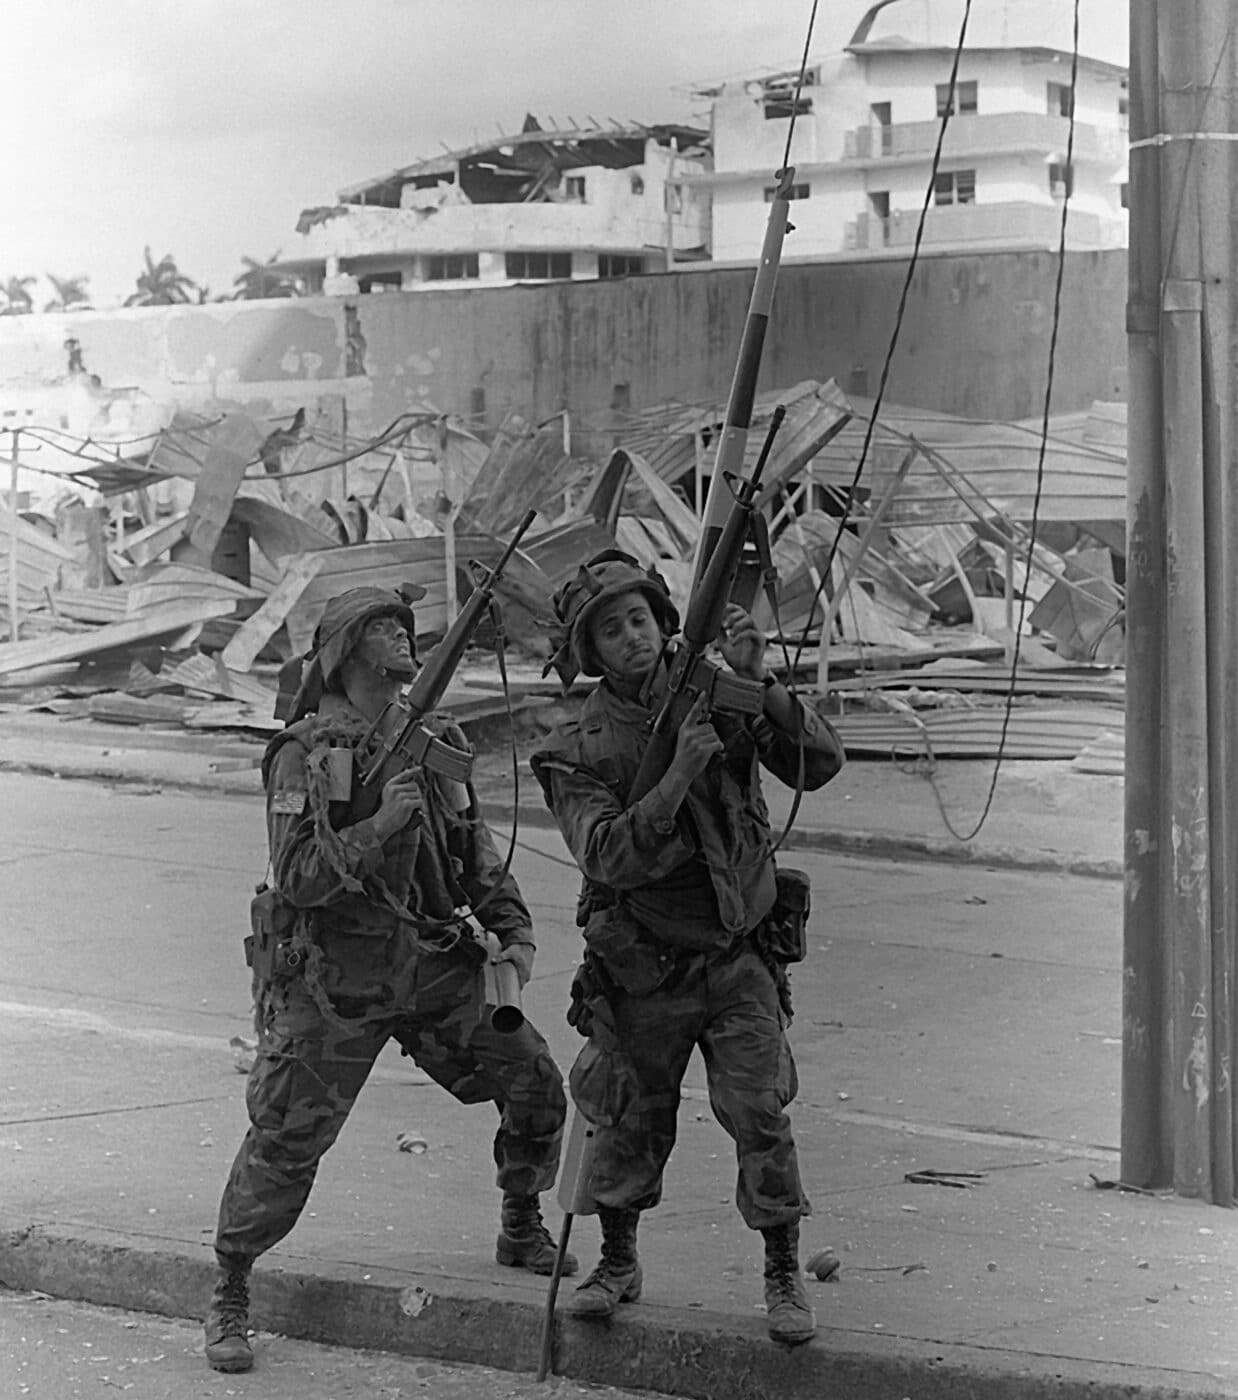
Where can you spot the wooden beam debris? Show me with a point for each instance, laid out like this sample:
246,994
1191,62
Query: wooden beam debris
164,622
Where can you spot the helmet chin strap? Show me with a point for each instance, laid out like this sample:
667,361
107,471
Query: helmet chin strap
394,673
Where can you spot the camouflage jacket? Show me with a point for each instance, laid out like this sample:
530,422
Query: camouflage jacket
327,861
695,878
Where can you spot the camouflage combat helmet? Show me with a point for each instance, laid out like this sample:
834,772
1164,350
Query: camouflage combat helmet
336,637
605,576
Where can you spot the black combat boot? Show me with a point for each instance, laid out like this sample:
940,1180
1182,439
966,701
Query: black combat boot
787,1307
617,1278
227,1322
524,1241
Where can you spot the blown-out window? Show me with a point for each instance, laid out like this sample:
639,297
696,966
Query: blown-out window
539,267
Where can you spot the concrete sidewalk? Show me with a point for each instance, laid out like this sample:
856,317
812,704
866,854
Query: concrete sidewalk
952,1018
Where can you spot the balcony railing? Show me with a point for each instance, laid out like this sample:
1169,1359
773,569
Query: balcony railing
977,135
1013,223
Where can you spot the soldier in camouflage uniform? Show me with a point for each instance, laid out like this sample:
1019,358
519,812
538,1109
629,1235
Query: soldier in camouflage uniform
360,939
685,923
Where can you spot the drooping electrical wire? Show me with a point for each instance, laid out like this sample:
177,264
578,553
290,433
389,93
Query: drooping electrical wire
1044,435
1008,706
900,312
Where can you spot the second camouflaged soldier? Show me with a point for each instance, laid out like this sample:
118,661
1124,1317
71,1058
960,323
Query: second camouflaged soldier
685,920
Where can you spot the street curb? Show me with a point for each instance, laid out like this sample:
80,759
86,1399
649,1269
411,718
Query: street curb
880,845
698,1355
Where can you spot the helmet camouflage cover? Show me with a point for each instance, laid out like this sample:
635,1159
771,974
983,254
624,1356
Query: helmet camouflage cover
605,576
337,634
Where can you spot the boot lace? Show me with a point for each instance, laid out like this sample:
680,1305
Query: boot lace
232,1304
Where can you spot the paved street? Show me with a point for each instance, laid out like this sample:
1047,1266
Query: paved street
126,908
950,1017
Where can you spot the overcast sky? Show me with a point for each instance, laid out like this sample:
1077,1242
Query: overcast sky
204,127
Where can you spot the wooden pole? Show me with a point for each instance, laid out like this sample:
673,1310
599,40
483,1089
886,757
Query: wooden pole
1181,901
1145,1154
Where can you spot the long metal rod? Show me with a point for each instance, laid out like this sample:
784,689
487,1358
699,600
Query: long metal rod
729,459
14,522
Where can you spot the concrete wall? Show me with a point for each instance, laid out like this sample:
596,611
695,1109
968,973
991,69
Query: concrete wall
974,342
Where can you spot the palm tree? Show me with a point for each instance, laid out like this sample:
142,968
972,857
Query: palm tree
264,279
162,283
17,299
70,292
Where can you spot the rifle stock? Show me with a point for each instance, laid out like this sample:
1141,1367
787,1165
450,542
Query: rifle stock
410,741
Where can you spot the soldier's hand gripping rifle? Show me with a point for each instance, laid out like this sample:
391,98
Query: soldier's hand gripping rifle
408,741
691,674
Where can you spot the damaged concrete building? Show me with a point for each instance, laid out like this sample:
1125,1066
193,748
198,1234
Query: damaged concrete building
541,204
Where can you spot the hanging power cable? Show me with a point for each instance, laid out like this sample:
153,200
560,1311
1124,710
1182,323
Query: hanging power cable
1043,436
1008,706
871,426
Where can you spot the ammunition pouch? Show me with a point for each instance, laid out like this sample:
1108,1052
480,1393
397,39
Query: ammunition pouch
628,956
271,953
782,935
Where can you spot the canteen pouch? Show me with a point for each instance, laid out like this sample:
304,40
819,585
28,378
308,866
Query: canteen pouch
783,933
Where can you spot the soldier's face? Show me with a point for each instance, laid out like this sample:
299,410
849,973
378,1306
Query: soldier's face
625,636
384,645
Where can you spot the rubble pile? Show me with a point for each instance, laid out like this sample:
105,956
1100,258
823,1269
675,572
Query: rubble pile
902,571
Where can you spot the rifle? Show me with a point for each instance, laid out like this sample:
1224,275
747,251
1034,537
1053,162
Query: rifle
723,535
409,740
691,673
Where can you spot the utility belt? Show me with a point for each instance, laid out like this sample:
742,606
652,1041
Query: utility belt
621,955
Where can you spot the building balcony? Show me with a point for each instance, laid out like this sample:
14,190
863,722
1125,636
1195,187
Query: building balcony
973,135
1016,224
358,231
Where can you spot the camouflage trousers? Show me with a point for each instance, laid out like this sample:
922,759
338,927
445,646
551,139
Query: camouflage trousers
309,1070
728,1006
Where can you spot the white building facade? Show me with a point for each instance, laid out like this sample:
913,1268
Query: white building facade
866,126
537,206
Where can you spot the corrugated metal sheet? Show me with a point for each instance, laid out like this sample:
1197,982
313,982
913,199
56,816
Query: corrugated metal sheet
1077,682
1033,733
965,465
666,436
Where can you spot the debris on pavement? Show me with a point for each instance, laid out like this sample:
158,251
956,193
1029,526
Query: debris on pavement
931,1176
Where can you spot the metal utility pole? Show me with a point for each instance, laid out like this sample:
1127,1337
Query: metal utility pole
1181,910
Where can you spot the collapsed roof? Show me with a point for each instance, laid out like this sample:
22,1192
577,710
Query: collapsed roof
528,165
